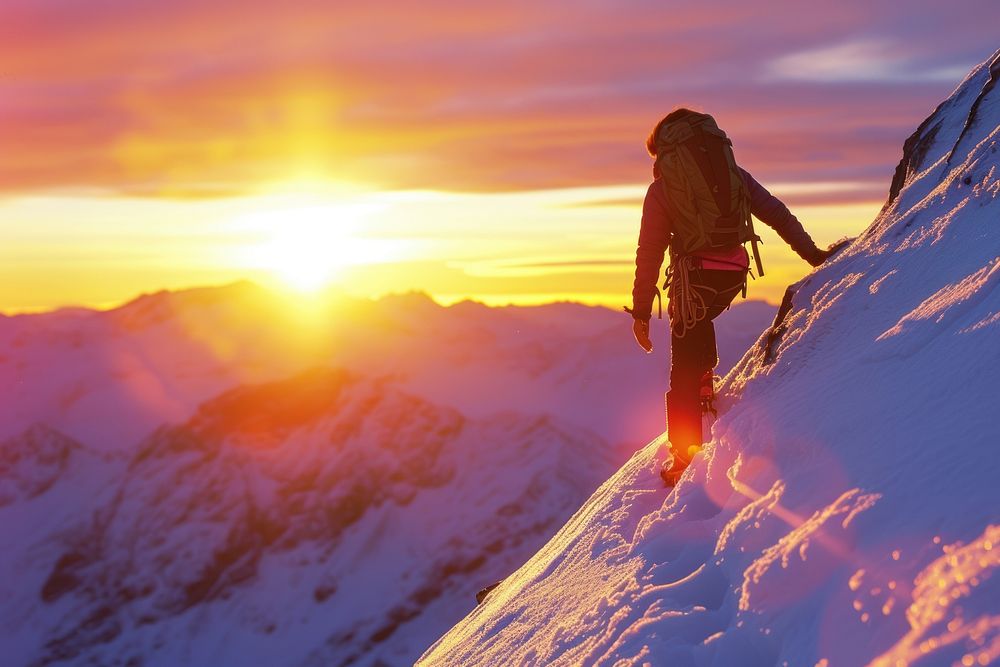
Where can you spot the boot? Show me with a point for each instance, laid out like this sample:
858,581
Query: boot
673,468
683,431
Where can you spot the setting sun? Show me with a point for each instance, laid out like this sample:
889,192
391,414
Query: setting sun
307,244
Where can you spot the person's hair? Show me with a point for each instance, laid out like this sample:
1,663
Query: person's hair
679,112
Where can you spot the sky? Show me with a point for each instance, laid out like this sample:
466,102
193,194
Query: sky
467,149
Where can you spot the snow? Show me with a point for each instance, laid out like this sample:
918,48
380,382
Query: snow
296,521
845,512
212,477
109,378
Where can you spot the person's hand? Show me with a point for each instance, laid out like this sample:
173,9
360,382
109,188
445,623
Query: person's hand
817,257
820,256
640,328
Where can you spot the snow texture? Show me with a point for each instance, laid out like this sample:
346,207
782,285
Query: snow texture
846,510
212,478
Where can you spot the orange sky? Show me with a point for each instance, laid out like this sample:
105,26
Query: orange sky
491,150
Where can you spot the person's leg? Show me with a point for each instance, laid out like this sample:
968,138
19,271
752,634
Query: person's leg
706,384
719,288
708,353
688,363
693,356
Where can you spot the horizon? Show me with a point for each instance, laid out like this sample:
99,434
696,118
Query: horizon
330,294
602,277
186,145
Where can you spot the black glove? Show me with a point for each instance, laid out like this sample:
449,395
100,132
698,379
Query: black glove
818,256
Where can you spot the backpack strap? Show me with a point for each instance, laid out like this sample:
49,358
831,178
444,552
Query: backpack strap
754,240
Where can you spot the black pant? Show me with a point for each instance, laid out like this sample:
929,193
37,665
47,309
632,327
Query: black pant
694,354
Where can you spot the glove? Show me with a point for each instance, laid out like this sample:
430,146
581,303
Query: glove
818,256
640,329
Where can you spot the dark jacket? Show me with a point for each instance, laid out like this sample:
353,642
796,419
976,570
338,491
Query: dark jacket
655,231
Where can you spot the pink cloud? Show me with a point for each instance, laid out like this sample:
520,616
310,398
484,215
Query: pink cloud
185,97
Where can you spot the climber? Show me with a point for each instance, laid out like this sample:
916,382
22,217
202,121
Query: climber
699,205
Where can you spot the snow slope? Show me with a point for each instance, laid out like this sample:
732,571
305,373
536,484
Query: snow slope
847,511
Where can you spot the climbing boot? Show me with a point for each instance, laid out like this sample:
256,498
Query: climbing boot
675,466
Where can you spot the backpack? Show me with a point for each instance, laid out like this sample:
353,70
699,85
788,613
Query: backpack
707,199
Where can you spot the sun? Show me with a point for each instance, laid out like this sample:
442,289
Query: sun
308,245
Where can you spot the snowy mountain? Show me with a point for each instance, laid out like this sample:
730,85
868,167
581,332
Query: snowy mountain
31,463
325,519
108,378
211,477
846,511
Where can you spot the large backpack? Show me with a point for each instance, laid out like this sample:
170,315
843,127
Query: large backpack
708,201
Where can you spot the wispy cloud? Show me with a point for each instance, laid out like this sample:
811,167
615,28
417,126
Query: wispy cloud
570,264
862,60
189,98
793,194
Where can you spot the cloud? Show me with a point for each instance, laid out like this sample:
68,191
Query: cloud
570,264
861,60
793,194
188,98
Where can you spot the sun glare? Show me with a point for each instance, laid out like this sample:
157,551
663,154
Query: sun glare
308,245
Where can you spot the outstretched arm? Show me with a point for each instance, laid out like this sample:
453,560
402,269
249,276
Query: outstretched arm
772,212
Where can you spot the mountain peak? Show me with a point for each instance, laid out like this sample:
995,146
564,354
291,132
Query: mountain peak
941,133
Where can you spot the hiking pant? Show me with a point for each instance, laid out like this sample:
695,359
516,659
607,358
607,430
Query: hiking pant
694,354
